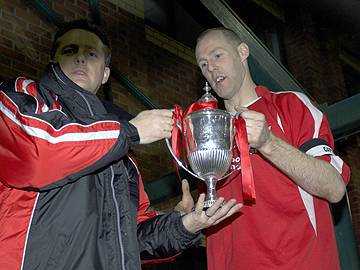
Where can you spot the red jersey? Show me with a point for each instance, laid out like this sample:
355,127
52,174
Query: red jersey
287,228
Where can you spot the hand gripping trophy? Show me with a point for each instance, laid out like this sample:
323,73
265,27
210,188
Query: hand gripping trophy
207,134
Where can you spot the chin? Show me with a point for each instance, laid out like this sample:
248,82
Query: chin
81,83
221,93
87,88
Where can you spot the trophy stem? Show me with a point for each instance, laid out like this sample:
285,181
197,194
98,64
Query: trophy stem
210,197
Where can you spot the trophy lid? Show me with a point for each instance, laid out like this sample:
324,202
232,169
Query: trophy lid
207,96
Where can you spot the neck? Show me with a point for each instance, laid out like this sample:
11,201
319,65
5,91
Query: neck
245,95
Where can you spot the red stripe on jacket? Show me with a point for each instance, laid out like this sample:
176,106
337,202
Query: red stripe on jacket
33,148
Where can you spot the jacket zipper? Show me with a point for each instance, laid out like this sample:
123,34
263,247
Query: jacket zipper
87,103
83,97
117,220
113,197
111,185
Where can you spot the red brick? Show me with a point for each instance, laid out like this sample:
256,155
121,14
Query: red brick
27,16
6,42
11,54
5,24
25,69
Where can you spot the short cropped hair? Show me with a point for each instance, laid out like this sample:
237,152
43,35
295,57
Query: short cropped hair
228,34
83,25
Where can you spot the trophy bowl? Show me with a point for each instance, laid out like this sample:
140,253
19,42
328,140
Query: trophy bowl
208,138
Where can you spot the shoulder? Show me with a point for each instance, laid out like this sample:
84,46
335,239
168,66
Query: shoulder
115,109
20,85
293,101
282,97
290,96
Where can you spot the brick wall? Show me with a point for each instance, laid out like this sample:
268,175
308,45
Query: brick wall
166,76
313,58
24,40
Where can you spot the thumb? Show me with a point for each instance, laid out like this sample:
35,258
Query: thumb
187,199
185,189
240,109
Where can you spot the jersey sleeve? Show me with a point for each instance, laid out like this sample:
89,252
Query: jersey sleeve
310,131
41,148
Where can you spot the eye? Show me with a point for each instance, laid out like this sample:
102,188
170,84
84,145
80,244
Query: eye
203,65
217,55
68,51
93,54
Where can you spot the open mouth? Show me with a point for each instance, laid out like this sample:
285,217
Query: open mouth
219,79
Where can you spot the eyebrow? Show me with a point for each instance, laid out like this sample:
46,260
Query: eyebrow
77,46
211,52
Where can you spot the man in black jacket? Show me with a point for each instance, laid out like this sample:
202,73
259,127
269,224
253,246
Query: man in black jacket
70,198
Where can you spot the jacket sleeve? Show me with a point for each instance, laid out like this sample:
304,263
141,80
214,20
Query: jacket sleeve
160,237
163,236
41,149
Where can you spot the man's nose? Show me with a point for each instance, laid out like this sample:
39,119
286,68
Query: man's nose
211,66
80,59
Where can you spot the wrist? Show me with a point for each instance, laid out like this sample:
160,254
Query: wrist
267,146
189,223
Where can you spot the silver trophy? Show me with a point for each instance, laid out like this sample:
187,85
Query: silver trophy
209,137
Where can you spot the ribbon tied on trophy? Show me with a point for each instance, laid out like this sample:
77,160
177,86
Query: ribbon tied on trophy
207,134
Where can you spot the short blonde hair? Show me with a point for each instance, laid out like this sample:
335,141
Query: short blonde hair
228,34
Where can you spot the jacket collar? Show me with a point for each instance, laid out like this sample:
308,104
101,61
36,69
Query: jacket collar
71,96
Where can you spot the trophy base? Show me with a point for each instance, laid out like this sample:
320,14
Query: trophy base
208,203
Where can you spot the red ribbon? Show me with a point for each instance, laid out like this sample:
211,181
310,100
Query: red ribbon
175,134
200,105
247,177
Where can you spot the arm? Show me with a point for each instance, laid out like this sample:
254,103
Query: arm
309,160
39,148
43,148
163,236
166,235
314,175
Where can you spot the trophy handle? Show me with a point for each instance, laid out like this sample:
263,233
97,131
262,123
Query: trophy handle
226,175
178,161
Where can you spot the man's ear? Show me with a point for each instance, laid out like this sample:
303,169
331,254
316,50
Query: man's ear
106,75
243,50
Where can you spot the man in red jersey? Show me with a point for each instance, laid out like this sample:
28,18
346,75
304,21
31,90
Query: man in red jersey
296,172
70,196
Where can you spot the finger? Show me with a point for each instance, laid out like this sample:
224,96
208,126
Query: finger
166,134
240,109
248,114
215,207
187,199
186,195
200,204
224,208
185,187
235,209
163,112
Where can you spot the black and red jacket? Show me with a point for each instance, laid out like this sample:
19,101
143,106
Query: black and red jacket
70,197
